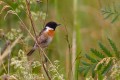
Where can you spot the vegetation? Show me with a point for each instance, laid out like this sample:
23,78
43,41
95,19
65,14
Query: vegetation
103,64
84,23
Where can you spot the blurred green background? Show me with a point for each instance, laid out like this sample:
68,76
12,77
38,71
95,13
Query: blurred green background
83,19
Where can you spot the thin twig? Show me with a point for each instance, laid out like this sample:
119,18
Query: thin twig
46,70
30,17
69,47
33,26
67,36
9,58
46,14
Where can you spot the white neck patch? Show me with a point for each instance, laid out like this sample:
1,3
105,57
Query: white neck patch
48,28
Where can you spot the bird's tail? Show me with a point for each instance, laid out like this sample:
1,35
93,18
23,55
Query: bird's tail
30,52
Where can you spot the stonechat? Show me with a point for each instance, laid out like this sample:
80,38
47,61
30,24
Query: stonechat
45,37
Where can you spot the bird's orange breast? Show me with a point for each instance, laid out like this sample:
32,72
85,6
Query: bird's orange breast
50,33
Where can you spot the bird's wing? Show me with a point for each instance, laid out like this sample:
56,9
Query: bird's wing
42,38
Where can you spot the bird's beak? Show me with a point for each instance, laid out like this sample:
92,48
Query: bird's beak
58,24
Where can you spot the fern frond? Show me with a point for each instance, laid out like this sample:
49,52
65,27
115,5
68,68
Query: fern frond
108,15
90,58
106,68
114,47
86,71
93,70
99,67
85,63
97,53
105,50
111,13
100,76
103,65
115,18
81,69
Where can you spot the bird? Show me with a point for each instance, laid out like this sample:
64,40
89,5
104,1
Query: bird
45,36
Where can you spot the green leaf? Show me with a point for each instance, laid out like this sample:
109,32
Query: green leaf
105,50
108,15
100,76
115,18
114,47
81,69
93,70
102,68
105,11
97,53
91,59
86,71
107,68
85,63
99,67
111,12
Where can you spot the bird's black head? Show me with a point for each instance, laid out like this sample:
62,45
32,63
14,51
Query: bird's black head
52,25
